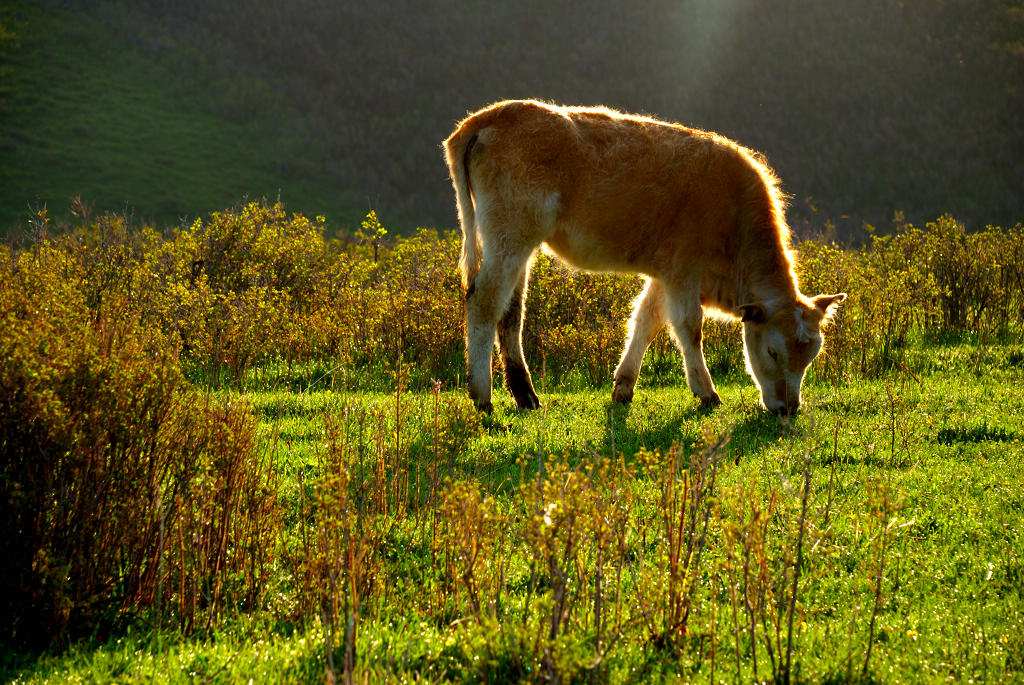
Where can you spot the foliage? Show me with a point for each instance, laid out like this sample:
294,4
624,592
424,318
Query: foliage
256,285
923,282
569,311
122,488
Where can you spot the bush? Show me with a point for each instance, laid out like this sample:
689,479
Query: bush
122,488
891,293
978,275
255,285
420,304
915,282
577,320
256,275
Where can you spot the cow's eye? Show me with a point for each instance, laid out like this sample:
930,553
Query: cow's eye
774,355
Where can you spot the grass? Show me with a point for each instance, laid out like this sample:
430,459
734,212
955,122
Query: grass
84,112
945,447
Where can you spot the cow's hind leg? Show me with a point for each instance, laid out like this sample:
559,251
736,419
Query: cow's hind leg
645,323
510,339
687,318
487,299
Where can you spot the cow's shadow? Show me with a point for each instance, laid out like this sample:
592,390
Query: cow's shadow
753,433
680,427
629,429
659,430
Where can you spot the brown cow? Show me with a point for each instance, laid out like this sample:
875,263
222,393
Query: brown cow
699,215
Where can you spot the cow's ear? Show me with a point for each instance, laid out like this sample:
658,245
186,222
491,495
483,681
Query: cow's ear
826,304
752,313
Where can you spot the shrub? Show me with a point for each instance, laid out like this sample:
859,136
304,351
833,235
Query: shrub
923,282
978,275
270,285
577,320
122,489
421,303
259,273
256,284
892,296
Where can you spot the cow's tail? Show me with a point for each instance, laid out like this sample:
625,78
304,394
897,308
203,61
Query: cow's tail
458,150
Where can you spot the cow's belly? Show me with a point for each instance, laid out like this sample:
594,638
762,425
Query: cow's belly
583,250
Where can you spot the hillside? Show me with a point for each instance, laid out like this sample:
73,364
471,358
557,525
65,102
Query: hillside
341,106
84,112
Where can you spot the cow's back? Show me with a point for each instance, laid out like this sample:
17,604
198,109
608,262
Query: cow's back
633,193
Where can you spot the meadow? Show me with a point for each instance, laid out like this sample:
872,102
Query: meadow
241,450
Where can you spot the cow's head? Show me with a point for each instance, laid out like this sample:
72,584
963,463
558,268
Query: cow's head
781,344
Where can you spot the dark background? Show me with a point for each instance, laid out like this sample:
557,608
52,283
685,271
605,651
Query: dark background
864,108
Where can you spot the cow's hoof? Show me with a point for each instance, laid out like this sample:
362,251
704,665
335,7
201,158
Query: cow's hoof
622,392
485,407
710,402
528,401
517,380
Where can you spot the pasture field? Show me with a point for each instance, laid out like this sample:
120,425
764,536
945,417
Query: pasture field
926,470
227,458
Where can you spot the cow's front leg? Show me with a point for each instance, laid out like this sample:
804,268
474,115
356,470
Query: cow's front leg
646,321
687,318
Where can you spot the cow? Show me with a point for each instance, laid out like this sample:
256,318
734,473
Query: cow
698,215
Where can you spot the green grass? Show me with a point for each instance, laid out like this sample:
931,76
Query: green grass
84,112
949,446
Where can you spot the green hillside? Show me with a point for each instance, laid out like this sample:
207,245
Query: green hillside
171,108
86,113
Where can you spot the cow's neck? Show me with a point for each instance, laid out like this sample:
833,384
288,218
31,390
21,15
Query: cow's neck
764,273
